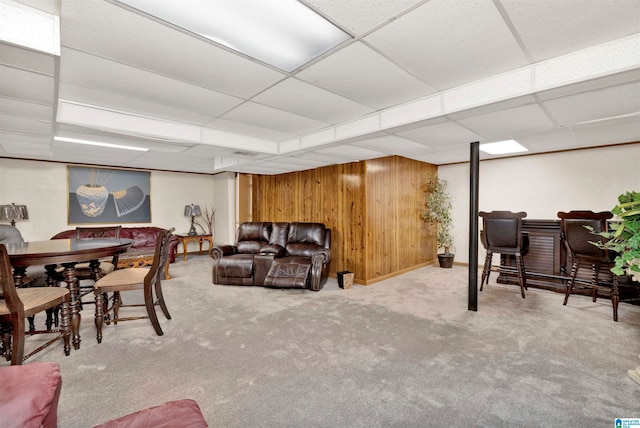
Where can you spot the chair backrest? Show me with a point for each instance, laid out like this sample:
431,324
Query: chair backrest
98,232
578,238
160,257
502,229
9,293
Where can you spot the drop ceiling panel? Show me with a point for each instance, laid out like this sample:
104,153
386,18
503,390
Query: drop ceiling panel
571,25
22,108
608,132
441,135
86,70
86,95
241,128
24,125
271,118
18,148
448,43
27,59
509,123
549,141
142,42
595,105
391,145
360,17
359,73
26,85
353,152
79,153
293,95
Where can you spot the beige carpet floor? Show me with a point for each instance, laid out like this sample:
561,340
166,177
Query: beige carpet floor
404,352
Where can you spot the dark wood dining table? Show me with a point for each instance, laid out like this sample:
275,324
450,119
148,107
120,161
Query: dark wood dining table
67,252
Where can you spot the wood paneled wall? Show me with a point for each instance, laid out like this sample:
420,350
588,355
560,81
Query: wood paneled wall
372,208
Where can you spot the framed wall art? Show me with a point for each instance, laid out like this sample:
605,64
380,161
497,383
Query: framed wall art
104,195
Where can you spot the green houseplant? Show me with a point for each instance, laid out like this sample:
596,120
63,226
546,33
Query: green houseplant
437,213
624,237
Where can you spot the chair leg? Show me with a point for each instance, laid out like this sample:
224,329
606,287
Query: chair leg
161,302
521,278
116,306
486,270
595,272
572,279
615,298
17,347
99,318
151,310
65,325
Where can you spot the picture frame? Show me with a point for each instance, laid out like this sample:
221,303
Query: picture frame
108,195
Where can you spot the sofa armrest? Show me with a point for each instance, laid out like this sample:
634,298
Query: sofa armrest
319,268
274,249
220,251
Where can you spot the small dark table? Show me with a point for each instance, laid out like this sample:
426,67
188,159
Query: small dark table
67,252
185,238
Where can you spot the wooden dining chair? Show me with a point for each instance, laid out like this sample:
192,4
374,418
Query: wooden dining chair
16,304
148,280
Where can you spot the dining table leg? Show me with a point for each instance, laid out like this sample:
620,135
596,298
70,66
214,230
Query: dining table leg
74,306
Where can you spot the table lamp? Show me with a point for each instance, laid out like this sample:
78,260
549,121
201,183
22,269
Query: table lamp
192,211
13,212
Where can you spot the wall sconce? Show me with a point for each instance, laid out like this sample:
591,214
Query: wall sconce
13,212
192,211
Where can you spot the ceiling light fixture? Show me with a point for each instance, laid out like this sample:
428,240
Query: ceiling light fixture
96,143
503,147
284,33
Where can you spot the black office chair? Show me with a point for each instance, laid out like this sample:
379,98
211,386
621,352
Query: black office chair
577,239
502,234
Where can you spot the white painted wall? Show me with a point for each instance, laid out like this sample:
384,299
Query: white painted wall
42,186
542,185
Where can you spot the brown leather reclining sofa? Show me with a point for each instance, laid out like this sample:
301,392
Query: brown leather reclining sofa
283,255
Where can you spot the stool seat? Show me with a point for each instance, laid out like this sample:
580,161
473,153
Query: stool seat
30,395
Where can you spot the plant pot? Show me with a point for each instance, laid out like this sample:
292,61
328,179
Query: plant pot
446,260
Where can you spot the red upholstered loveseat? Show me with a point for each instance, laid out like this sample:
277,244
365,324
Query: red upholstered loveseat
143,248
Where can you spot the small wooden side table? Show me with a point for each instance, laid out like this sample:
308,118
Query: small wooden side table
186,238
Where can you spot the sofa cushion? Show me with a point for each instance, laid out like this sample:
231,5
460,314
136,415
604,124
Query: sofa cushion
288,272
250,247
30,395
236,266
306,233
254,231
279,234
304,250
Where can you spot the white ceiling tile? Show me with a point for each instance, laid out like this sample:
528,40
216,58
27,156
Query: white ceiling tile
509,122
391,145
243,128
108,76
448,43
159,47
80,153
293,95
271,118
27,125
570,25
21,148
27,109
360,17
595,105
359,73
26,85
549,141
608,132
441,135
27,59
353,152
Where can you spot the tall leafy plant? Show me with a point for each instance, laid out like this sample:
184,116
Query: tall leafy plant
437,211
624,236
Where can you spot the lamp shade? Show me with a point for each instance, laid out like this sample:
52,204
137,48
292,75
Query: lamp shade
13,212
192,210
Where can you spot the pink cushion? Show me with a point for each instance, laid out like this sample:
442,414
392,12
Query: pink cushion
172,414
29,395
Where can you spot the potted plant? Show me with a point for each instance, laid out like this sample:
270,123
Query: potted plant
438,214
624,237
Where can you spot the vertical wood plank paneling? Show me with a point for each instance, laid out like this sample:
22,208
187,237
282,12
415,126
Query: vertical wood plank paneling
372,208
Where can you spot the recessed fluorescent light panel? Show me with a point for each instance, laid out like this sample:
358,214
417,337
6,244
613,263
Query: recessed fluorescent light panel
97,143
503,147
284,33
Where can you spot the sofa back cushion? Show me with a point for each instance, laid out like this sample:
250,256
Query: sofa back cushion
279,234
305,238
143,237
252,236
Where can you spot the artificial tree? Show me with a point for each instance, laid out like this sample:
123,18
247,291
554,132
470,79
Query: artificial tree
437,213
